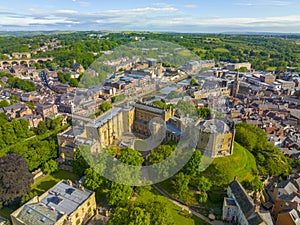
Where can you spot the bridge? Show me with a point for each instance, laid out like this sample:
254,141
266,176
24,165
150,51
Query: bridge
4,64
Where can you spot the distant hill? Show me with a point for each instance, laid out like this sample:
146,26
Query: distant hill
30,33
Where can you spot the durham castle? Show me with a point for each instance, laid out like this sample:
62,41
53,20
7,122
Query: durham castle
120,126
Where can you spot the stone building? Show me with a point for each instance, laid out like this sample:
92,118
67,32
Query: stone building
144,114
63,204
237,66
72,138
239,207
153,124
47,110
111,126
216,138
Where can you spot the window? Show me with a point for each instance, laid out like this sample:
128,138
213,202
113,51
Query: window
89,204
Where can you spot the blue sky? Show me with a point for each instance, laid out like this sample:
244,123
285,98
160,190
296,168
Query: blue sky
151,15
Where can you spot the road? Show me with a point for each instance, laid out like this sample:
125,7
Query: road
185,207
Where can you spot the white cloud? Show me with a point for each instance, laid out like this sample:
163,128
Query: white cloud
264,3
27,21
148,18
84,4
162,4
65,11
191,6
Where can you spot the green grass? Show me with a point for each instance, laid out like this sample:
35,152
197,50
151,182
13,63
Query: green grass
42,184
145,196
271,68
241,164
5,213
189,197
221,50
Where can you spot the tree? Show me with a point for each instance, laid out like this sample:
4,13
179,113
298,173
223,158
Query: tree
192,167
73,82
24,85
139,216
64,77
186,108
159,154
50,166
181,183
193,82
78,163
203,186
30,105
159,212
120,217
106,106
15,179
41,128
243,69
204,112
92,179
131,157
4,103
119,194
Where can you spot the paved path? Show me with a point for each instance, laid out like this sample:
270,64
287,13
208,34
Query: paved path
185,207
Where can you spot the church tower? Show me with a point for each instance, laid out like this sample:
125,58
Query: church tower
236,86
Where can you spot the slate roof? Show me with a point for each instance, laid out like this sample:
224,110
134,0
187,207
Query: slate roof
255,219
287,186
242,198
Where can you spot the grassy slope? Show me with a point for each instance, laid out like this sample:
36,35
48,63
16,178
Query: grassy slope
241,164
145,196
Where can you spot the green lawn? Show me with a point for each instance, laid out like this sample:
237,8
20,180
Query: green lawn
189,198
241,164
42,184
145,196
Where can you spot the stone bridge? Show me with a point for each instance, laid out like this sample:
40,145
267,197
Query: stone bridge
4,64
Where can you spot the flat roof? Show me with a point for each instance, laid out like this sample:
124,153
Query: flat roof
103,119
61,199
65,198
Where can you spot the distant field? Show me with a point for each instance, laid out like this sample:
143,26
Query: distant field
199,50
221,50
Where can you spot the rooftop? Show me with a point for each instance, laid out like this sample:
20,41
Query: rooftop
103,119
242,198
63,198
149,108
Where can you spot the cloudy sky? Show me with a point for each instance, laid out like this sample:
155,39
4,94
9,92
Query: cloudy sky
151,15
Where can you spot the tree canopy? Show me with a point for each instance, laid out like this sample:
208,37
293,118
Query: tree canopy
15,179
